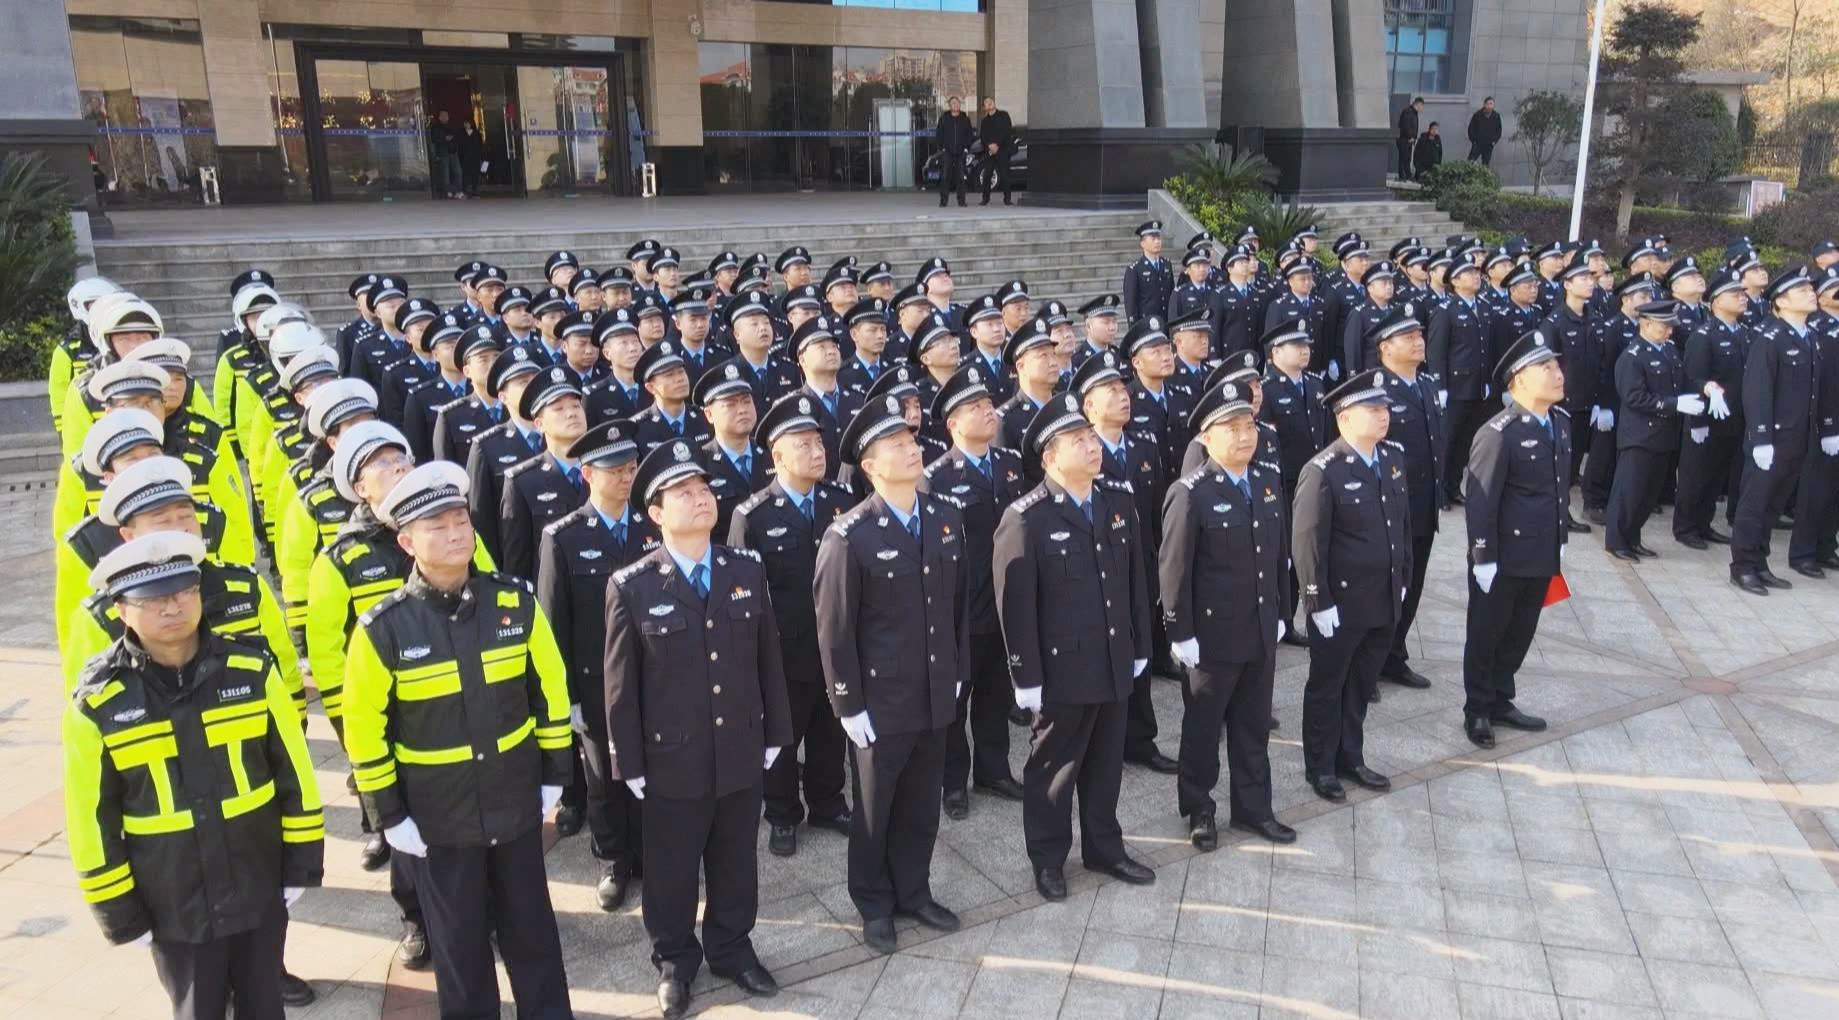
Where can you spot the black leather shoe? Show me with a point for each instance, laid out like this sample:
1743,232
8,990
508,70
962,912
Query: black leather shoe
1407,677
1480,731
782,840
1453,498
376,852
1051,884
1767,577
1373,696
1514,719
1596,515
1827,560
1273,724
1716,537
1360,775
1294,639
1203,833
839,823
412,951
673,997
1808,570
932,915
611,889
569,820
1018,716
1126,869
1328,788
986,200
879,934
1691,541
957,805
1270,829
1006,788
1644,551
1782,523
295,992
757,980
1625,554
1749,582
1157,762
1577,527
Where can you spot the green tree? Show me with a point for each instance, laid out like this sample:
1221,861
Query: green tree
1643,63
1697,139
1546,122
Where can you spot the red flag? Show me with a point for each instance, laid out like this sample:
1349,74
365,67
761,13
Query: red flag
1557,591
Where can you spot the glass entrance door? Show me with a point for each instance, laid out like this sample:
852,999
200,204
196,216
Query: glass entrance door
482,96
372,127
569,146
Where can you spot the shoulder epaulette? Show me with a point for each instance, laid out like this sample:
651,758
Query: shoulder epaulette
1192,478
95,679
559,523
741,550
1559,409
1032,497
630,570
381,606
842,524
1499,422
523,465
838,487
1116,486
951,501
512,581
753,502
1323,459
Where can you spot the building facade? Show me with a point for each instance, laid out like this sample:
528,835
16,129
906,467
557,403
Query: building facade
336,100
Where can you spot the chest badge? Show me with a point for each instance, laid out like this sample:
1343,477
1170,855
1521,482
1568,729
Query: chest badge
659,610
887,554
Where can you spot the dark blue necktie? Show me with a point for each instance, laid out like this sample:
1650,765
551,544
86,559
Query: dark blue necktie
534,441
677,426
1245,489
873,368
745,465
913,525
619,532
829,400
983,468
1086,508
806,508
699,582
574,478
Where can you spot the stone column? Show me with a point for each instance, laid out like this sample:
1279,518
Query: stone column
39,108
1301,85
1008,50
1089,141
1174,89
237,65
675,114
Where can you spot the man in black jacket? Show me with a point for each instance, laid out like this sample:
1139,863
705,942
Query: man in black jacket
997,135
1484,131
1429,153
954,136
1408,136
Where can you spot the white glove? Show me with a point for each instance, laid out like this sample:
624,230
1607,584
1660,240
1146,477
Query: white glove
405,836
1484,573
1442,399
1829,445
1690,403
145,941
1282,629
576,721
637,786
1764,456
1595,413
1720,408
1186,652
772,755
1327,621
1028,699
1487,390
861,731
957,690
1700,434
1137,666
552,795
1334,369
1606,422
290,894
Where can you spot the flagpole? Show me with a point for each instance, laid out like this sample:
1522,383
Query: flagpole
1583,136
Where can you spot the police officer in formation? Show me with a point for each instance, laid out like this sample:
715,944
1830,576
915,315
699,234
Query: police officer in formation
1035,525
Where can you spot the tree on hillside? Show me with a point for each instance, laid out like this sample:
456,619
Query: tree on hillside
1644,62
1545,122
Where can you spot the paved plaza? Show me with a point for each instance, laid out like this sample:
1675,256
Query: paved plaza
1666,849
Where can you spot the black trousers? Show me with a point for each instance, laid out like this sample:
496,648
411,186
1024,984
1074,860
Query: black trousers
1075,749
1343,670
1404,157
897,782
1481,152
1465,417
712,838
1599,473
205,979
996,170
1397,656
612,813
984,701
951,175
1814,510
1237,696
470,893
1501,625
1640,473
1707,470
1140,716
1583,442
1760,499
815,726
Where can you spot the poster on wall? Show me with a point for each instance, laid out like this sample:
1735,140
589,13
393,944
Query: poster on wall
584,111
159,110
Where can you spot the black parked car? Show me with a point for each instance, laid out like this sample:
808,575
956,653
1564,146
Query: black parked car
973,168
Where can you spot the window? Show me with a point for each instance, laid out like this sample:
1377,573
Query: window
1419,44
142,85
